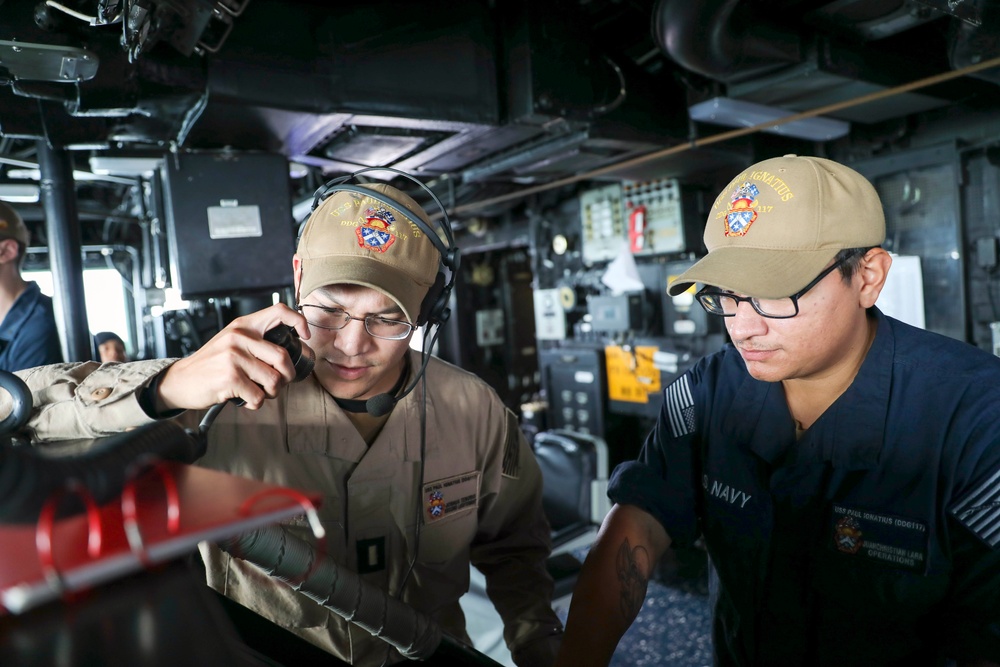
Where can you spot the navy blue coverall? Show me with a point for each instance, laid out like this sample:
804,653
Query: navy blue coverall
873,539
28,334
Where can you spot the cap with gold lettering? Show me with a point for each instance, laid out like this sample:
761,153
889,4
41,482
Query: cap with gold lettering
356,239
778,224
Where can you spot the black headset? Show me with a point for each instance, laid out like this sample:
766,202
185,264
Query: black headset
434,309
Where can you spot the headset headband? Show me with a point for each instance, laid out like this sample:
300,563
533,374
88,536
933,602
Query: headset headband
449,253
437,308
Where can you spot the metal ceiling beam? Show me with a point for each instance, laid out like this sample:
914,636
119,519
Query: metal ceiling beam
724,136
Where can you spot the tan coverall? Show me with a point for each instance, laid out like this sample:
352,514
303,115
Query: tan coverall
478,492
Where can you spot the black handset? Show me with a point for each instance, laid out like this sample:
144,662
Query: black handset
288,338
303,357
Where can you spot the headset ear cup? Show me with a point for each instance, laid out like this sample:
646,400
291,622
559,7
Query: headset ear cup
434,309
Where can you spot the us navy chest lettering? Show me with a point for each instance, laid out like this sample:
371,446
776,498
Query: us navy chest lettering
722,491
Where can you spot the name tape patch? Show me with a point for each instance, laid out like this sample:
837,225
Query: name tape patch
884,539
450,495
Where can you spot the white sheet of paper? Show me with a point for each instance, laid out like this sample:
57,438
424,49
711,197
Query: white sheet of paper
622,274
902,296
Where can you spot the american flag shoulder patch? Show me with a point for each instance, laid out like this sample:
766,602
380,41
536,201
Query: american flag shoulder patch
680,406
979,510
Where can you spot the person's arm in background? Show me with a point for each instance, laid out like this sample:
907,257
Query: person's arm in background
86,400
655,507
612,586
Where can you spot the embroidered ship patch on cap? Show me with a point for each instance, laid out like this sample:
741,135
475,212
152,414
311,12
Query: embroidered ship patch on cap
741,209
375,235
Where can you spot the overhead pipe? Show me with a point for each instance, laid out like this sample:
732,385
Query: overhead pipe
695,144
62,225
722,39
78,174
971,42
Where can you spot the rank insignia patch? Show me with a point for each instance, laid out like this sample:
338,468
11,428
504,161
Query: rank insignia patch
741,209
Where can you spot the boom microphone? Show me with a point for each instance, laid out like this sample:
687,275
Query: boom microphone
381,404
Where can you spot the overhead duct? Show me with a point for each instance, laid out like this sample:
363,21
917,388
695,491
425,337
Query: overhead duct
722,39
976,37
516,94
761,61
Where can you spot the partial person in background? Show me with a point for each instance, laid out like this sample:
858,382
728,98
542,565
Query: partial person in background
28,333
110,347
842,467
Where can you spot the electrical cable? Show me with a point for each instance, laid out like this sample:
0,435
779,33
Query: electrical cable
617,102
92,20
429,340
724,136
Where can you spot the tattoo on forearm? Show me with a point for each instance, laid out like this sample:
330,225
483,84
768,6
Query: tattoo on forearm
632,566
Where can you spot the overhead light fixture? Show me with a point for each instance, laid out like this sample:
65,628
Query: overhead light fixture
19,193
104,165
533,154
78,175
740,113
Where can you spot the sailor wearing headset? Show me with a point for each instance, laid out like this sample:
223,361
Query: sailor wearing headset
421,467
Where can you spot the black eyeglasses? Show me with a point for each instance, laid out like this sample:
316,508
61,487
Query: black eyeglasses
725,304
337,318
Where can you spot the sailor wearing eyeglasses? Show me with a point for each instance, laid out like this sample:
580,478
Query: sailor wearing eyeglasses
842,467
421,467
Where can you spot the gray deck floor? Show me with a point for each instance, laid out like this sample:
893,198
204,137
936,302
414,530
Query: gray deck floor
673,628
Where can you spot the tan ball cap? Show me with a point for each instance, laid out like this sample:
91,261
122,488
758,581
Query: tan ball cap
355,239
778,224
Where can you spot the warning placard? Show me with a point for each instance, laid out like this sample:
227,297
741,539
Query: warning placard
631,374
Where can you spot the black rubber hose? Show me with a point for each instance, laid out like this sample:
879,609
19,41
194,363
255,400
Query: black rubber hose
29,476
20,397
297,563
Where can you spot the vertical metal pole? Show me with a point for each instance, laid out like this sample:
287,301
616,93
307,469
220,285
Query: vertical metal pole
62,225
